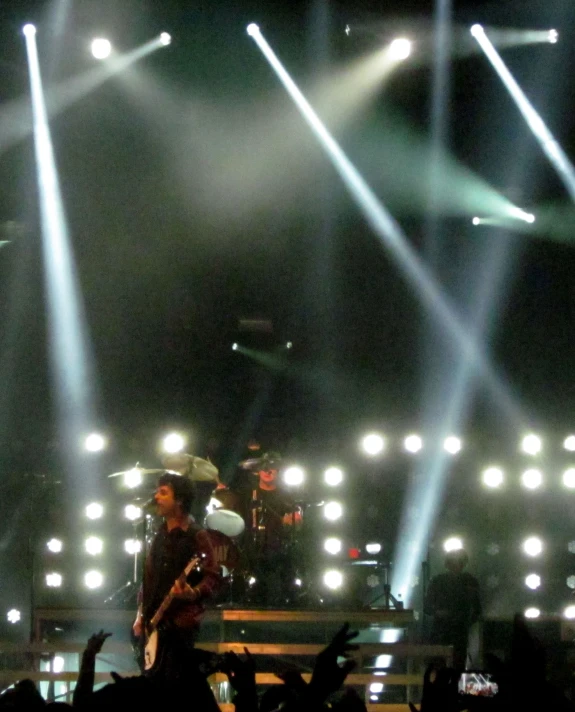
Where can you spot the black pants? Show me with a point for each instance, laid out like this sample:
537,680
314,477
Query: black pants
181,668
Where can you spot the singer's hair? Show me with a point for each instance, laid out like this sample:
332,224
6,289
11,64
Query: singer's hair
182,487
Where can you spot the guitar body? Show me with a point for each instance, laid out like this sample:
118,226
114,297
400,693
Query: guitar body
151,654
151,650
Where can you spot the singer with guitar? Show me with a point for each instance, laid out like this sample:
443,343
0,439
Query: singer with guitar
181,573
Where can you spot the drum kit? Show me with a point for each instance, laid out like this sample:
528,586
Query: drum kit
247,530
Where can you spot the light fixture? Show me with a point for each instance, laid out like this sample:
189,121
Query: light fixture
132,546
333,579
373,444
94,510
532,479
531,444
413,443
452,444
133,478
53,580
454,543
252,29
54,545
533,546
93,579
569,612
333,476
532,613
14,616
94,545
569,443
29,30
400,49
95,442
293,476
533,581
132,512
101,48
332,511
492,477
569,478
373,548
165,39
332,545
172,443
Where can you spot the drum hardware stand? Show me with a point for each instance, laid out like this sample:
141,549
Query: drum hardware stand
389,600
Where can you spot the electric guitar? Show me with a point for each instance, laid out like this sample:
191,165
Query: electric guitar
151,644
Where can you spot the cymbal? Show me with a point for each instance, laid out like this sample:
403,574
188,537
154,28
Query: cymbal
194,468
141,470
261,463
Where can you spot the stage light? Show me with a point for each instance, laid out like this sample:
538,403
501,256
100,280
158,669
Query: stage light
333,476
553,36
413,443
569,443
132,546
133,478
569,612
452,445
165,39
531,444
492,477
253,29
533,546
477,30
332,545
332,511
333,579
400,49
94,510
289,345
454,543
54,545
95,442
94,545
14,616
373,444
569,478
53,580
172,443
93,579
373,548
29,30
298,582
533,581
293,476
235,346
101,48
132,512
532,613
532,479
530,218
58,664
570,582
476,221
376,687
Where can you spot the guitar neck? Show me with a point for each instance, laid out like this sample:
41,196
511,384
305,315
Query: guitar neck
164,605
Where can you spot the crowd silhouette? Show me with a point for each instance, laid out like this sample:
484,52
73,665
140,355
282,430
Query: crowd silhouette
522,680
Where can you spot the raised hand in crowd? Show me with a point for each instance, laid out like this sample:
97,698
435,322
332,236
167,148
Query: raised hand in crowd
439,691
242,676
328,673
85,685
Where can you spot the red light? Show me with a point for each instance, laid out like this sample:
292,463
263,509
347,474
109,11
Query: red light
353,553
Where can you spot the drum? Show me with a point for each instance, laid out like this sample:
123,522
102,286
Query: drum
228,499
227,553
226,522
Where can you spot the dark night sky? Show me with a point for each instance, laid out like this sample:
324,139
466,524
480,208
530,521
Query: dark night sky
196,196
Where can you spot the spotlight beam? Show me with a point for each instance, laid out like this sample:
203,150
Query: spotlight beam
549,144
15,124
391,236
69,357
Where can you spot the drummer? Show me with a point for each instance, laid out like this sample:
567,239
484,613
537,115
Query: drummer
201,472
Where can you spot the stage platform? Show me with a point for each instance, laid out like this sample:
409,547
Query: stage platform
276,638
